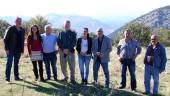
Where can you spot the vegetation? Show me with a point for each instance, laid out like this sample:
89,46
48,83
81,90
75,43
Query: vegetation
3,27
139,31
164,35
29,87
40,21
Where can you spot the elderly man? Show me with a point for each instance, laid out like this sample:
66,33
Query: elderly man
49,51
66,43
14,47
155,61
101,49
128,49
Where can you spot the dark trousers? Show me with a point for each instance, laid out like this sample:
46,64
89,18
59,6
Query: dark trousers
10,58
50,59
35,69
130,64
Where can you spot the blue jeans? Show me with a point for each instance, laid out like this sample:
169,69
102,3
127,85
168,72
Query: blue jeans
132,68
50,58
84,62
96,67
10,57
154,72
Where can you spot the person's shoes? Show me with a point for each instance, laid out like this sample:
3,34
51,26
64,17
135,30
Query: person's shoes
95,83
146,93
121,87
55,79
106,86
18,79
36,78
85,81
73,82
82,81
8,82
42,80
64,80
133,90
48,79
155,95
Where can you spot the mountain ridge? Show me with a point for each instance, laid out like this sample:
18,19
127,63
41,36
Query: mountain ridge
157,18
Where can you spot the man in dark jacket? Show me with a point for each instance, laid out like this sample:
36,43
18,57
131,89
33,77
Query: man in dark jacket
155,63
66,43
14,47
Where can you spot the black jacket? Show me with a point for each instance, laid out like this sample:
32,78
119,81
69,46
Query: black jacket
10,39
67,40
78,47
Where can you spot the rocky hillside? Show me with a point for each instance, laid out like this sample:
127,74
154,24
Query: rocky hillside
158,18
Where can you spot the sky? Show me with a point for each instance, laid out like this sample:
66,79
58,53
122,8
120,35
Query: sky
92,8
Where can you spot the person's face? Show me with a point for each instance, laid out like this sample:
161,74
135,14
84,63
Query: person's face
154,40
48,30
127,34
67,26
85,32
18,22
100,33
34,29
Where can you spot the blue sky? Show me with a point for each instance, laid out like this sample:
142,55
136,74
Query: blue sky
92,8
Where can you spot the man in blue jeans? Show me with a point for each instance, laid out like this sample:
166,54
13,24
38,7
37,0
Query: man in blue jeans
14,47
128,49
155,62
101,49
49,51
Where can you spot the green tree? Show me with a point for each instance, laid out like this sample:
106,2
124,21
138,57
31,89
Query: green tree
163,35
115,40
26,25
92,35
3,27
141,33
40,21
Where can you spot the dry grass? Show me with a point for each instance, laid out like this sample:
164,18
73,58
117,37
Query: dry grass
32,88
2,52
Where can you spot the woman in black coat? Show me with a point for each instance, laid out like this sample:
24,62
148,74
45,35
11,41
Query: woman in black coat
84,46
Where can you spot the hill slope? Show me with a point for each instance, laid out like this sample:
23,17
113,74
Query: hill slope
158,18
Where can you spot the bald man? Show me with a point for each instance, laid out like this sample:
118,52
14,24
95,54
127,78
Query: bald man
155,62
101,49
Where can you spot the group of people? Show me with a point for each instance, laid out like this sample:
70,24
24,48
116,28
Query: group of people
44,47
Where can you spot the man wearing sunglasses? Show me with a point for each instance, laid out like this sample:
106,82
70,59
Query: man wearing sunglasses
155,61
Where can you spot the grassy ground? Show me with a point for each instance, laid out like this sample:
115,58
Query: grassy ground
29,87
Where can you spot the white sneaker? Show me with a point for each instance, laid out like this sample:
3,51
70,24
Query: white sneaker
8,82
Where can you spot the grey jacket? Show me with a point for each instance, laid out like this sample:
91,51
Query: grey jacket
106,48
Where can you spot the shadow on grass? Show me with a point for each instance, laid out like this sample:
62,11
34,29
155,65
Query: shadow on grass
63,89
